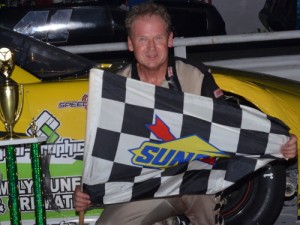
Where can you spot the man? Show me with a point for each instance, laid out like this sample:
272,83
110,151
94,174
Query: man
149,38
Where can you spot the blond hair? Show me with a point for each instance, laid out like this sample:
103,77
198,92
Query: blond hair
147,9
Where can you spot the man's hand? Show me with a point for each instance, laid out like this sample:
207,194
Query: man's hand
81,200
289,150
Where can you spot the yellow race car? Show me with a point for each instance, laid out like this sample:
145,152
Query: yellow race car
55,96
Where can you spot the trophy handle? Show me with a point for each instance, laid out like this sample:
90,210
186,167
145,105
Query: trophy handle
21,99
2,118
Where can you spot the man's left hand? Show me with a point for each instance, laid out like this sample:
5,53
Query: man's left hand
289,150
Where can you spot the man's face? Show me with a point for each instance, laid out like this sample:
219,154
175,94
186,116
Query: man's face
150,41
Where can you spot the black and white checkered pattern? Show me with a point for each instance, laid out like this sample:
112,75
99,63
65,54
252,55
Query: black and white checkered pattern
119,110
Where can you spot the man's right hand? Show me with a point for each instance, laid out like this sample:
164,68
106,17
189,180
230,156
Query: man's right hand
81,200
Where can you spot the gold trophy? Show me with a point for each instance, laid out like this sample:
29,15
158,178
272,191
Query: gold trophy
11,94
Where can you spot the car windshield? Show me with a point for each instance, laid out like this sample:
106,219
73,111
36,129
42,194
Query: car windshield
44,61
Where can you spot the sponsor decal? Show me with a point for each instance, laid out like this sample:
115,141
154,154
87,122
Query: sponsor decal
74,104
218,93
62,189
62,152
172,151
62,149
40,23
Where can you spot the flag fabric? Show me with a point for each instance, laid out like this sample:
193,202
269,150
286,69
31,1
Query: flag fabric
144,141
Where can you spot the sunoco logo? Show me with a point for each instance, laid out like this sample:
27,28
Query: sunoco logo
173,151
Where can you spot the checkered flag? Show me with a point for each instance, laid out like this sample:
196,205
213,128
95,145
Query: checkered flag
144,141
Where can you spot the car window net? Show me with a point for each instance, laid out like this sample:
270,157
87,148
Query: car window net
43,60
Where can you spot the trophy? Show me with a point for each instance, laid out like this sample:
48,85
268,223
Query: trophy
11,94
11,104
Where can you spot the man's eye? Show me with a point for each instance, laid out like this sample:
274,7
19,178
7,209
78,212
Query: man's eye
142,39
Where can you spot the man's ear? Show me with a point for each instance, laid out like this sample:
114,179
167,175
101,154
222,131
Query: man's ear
129,44
170,40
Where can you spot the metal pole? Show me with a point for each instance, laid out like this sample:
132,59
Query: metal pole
40,214
183,42
12,177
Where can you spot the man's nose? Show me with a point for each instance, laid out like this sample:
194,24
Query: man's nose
151,44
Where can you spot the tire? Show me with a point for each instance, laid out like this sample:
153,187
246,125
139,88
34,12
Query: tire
257,199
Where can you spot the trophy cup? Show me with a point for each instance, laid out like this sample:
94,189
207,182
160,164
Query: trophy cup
11,94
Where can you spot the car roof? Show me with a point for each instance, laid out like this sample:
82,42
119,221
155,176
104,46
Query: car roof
91,22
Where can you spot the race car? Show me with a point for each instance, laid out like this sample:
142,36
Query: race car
55,96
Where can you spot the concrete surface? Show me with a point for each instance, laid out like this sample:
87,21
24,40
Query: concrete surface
288,214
